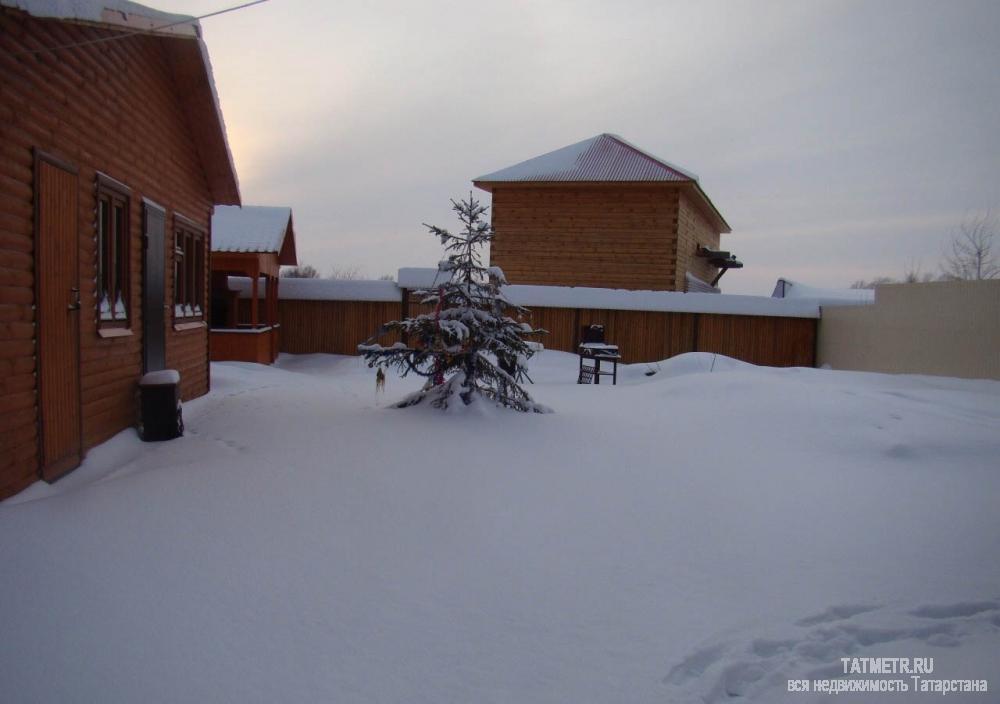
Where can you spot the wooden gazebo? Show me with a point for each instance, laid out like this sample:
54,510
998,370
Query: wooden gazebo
251,242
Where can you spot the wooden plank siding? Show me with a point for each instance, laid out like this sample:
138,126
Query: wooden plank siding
115,108
334,327
638,236
338,327
618,236
258,346
693,230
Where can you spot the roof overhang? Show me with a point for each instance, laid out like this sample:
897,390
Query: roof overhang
287,255
708,207
193,75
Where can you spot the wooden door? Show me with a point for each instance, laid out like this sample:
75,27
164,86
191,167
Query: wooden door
154,352
57,297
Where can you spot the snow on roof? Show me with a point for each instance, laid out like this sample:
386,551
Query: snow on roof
120,13
696,285
788,289
251,228
323,289
420,277
606,157
125,15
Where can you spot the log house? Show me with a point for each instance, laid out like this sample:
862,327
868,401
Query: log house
114,155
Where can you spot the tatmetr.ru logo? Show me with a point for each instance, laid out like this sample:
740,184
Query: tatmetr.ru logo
914,679
888,666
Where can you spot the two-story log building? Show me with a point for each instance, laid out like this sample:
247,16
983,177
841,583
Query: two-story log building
606,214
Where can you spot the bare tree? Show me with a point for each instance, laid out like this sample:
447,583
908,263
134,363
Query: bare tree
878,281
913,273
300,272
347,273
387,277
971,254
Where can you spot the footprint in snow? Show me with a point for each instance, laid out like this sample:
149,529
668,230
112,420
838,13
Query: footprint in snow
835,613
901,452
695,664
759,665
959,610
231,444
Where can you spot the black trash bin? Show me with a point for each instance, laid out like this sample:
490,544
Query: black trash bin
160,406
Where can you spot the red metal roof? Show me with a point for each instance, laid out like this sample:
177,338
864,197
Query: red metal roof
606,157
600,159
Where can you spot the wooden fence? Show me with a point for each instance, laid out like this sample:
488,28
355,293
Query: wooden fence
338,327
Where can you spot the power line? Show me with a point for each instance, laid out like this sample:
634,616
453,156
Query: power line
126,35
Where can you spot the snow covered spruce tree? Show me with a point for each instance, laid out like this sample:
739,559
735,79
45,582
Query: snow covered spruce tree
468,348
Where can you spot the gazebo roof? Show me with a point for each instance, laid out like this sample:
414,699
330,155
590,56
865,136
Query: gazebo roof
255,228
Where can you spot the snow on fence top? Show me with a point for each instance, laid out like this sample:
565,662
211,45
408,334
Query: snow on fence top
665,301
788,289
621,299
545,296
322,289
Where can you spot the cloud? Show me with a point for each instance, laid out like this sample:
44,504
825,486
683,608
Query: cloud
840,139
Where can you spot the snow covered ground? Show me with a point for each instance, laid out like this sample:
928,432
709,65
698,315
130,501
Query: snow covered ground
708,531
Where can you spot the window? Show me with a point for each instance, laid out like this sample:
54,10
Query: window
189,273
113,236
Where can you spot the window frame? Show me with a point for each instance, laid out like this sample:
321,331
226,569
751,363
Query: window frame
189,280
113,253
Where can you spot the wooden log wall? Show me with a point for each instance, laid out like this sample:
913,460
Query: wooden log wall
338,327
113,107
613,236
610,235
693,231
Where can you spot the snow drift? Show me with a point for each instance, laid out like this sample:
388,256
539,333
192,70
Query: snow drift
696,535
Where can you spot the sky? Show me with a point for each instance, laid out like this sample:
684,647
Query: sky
841,140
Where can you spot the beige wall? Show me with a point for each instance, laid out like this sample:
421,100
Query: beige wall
947,328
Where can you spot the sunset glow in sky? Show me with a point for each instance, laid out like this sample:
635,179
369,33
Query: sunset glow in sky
841,140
